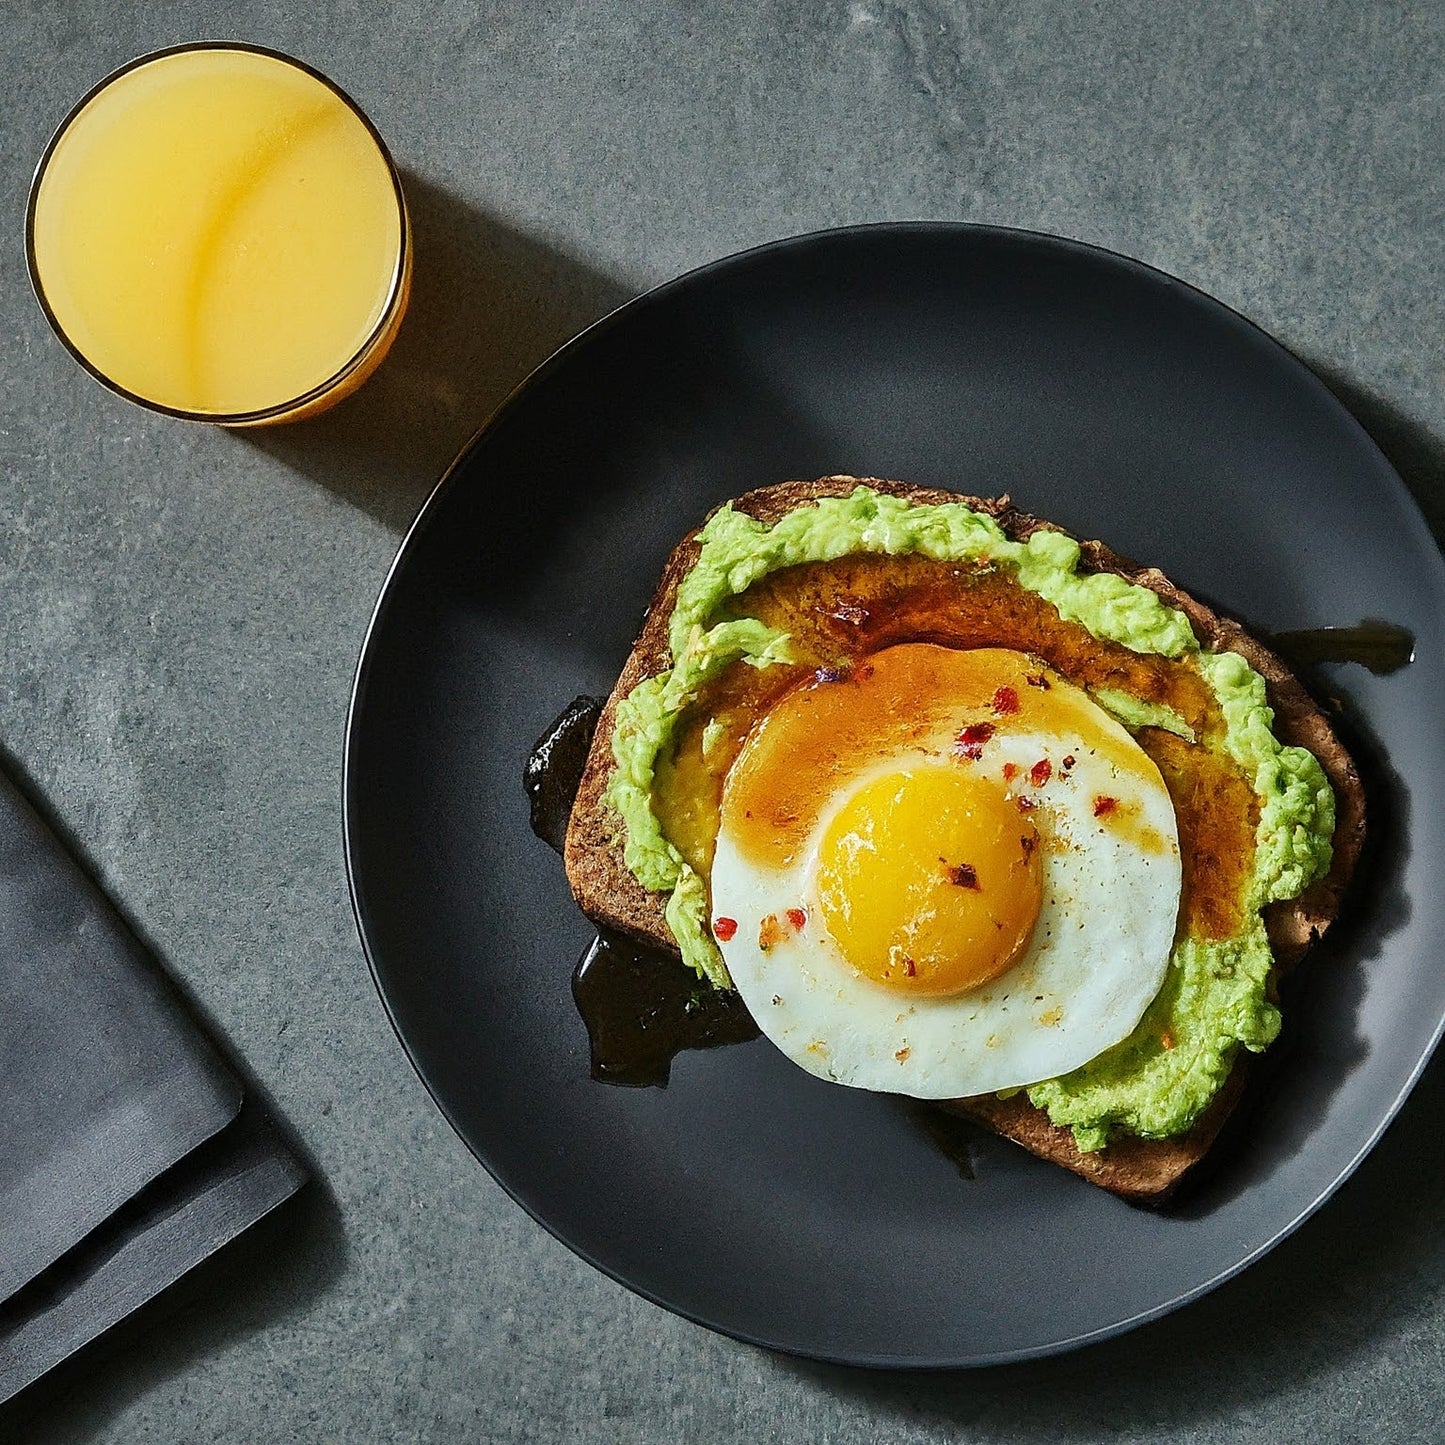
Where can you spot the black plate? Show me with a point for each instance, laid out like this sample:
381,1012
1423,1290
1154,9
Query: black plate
1101,394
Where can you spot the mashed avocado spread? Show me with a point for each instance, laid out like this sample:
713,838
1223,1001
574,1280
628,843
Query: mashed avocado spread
1158,1080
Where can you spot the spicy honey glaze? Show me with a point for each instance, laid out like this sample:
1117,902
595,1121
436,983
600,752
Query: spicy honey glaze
641,1007
837,614
1379,647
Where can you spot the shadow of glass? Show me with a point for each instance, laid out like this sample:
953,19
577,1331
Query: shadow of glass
488,304
579,494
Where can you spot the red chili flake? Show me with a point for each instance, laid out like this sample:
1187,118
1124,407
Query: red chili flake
1103,806
965,875
1010,772
1029,845
1005,700
724,929
971,740
1041,772
770,931
1069,760
1037,679
910,969
797,918
902,1054
1026,804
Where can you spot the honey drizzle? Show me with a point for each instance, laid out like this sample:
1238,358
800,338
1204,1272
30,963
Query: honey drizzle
838,612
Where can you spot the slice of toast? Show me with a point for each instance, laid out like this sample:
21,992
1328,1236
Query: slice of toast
1145,1171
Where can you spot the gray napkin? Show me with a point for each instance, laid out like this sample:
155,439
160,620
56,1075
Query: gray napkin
109,1093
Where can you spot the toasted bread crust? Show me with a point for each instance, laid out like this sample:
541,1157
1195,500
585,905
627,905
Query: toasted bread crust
1144,1171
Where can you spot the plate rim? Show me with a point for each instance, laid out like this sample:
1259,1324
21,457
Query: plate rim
610,320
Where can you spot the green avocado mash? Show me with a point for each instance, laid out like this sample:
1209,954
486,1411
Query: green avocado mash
1214,997
1134,712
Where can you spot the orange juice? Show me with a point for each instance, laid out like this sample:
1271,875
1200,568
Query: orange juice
218,232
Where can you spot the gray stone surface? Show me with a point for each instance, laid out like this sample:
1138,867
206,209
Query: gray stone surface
182,609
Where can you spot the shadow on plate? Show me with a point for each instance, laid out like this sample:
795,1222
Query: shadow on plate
268,1273
1377,906
1303,1311
488,304
1320,1000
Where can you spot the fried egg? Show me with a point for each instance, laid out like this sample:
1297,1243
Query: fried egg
944,873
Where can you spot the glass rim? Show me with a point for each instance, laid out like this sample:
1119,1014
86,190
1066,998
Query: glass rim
276,410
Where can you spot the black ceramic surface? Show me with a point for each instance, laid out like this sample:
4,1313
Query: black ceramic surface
1101,394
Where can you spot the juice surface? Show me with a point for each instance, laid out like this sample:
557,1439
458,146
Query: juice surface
217,231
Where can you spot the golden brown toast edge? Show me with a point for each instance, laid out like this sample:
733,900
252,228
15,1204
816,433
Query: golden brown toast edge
1141,1170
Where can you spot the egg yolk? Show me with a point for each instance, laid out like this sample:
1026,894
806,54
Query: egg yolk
930,880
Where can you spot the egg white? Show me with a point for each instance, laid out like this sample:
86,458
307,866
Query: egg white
1097,956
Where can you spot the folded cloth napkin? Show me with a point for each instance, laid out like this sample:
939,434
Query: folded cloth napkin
109,1092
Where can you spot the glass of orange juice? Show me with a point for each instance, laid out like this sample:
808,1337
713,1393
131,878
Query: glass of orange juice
218,232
